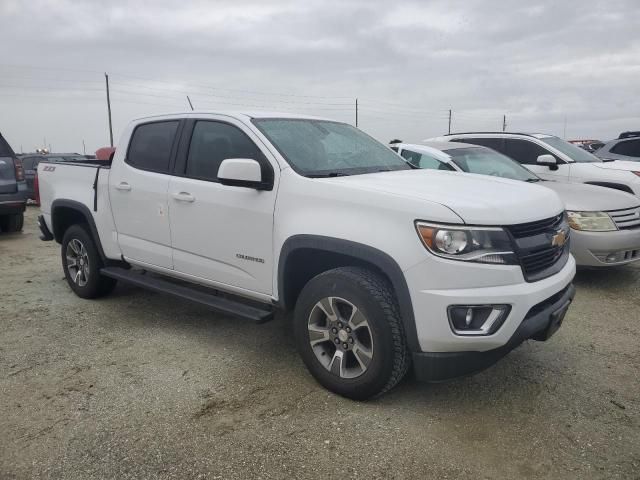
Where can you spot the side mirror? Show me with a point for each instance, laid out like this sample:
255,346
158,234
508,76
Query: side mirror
548,160
242,172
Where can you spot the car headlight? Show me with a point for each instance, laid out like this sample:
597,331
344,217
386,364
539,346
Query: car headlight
469,244
591,221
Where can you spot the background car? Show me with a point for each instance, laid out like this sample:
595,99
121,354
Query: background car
588,145
605,224
625,147
552,158
13,189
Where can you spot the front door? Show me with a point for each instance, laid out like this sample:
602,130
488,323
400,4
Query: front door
221,233
138,187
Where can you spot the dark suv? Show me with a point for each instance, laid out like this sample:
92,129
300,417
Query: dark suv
13,189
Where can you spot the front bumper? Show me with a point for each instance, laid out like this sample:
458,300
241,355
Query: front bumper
592,248
540,322
436,284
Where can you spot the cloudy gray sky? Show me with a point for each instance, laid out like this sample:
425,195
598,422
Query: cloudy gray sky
539,62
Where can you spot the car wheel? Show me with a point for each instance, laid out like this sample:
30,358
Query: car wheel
81,263
349,332
12,223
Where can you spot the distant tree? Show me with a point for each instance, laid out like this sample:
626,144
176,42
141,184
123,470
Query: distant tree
395,140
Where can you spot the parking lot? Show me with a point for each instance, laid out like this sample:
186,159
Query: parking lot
138,385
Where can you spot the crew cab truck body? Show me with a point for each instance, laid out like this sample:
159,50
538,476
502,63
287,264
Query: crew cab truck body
382,265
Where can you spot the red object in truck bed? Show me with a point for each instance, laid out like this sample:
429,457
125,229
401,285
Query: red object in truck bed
104,153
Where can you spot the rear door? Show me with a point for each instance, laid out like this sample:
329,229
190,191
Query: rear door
8,182
221,233
138,193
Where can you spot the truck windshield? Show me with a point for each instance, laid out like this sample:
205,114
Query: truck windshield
321,148
485,161
576,154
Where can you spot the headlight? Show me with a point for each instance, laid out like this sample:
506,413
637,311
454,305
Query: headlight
469,244
591,221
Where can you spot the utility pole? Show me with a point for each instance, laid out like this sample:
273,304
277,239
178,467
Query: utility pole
190,104
564,134
356,112
84,148
449,120
504,123
106,79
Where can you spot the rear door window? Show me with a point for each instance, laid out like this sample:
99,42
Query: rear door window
5,149
497,144
630,148
151,146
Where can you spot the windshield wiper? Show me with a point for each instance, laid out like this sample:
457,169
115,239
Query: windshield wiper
608,159
328,175
533,180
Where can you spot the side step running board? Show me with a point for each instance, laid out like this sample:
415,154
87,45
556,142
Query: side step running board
219,304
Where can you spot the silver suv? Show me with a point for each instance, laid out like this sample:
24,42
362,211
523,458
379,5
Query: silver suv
625,147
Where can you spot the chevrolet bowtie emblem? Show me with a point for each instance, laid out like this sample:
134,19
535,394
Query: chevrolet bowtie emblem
559,239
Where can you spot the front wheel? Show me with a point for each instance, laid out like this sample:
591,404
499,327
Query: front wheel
349,332
81,263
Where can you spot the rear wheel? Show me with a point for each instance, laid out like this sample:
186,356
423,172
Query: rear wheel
349,332
81,263
12,223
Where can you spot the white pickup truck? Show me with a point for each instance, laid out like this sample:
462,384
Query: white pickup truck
382,265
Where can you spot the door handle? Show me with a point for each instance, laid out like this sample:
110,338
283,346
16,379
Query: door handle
123,186
184,197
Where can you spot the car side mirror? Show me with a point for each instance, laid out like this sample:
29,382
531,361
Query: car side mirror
241,172
548,160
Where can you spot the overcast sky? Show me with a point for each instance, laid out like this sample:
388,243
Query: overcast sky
540,63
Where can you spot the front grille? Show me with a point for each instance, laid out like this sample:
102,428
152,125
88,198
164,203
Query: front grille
535,248
534,228
627,218
541,260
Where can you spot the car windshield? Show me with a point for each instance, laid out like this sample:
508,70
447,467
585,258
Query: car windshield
485,161
321,148
576,154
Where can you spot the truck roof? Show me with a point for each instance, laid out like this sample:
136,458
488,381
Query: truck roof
241,115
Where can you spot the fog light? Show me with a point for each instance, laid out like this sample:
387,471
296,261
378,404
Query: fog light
477,319
615,257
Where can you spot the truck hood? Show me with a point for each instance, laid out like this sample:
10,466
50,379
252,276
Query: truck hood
619,165
476,199
590,198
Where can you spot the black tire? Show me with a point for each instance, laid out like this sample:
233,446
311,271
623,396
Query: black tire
12,223
95,285
372,295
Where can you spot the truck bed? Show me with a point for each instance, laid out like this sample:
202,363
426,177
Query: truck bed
83,182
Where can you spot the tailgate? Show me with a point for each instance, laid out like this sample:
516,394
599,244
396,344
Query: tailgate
8,182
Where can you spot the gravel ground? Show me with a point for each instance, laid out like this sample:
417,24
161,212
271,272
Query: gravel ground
139,385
